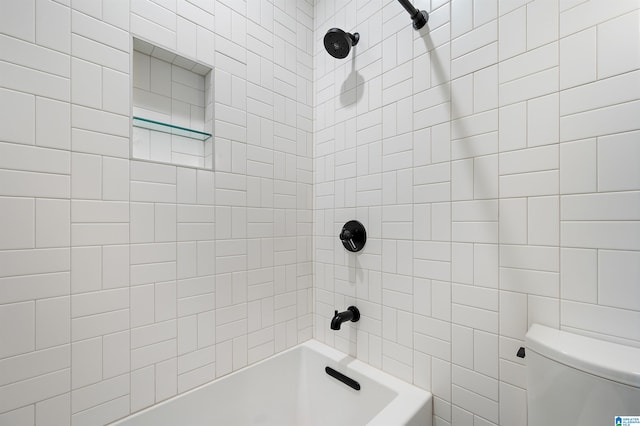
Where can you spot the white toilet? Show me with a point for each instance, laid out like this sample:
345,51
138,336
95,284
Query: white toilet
577,380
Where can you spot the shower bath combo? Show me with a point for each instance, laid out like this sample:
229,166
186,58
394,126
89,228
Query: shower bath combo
338,43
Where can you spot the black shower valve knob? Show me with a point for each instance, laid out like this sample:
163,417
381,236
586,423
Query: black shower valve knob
347,238
353,236
346,235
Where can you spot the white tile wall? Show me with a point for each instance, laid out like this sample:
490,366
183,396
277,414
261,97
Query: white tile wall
490,155
523,185
118,273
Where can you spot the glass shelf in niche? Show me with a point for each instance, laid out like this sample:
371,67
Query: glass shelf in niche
158,126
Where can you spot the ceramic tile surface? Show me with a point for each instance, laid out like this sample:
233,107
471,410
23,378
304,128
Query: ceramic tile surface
492,157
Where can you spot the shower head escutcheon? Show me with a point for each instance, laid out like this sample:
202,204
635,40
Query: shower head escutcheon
338,43
419,17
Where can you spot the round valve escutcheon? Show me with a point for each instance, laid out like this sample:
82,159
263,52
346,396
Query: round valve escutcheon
353,236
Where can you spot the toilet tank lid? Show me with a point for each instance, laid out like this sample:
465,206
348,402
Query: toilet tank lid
609,360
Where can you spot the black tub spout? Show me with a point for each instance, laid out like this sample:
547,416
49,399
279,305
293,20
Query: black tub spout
351,314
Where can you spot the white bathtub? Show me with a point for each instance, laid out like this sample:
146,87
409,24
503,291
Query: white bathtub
292,388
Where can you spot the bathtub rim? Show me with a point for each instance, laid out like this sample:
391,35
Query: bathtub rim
409,399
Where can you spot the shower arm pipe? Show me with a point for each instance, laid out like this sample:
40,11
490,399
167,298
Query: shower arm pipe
419,17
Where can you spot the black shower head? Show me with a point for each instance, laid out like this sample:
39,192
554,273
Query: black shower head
338,43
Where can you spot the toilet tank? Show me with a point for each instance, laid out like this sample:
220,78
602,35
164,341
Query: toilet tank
577,380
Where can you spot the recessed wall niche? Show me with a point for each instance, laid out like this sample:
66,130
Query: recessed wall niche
172,108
